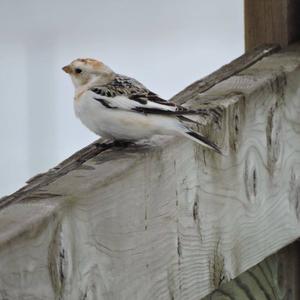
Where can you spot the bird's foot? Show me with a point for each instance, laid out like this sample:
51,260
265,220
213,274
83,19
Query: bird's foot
123,144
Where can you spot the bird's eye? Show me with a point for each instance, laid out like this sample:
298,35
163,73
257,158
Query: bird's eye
78,71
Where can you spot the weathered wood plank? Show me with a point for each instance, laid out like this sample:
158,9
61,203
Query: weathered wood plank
237,65
259,283
275,278
167,219
97,147
289,272
41,180
271,21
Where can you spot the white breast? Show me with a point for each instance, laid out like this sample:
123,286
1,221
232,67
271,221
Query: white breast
117,123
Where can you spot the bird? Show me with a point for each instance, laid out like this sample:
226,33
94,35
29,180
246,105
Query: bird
121,108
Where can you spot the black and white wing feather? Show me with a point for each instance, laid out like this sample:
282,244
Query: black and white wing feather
128,94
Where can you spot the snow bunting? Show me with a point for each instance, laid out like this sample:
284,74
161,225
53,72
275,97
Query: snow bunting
119,107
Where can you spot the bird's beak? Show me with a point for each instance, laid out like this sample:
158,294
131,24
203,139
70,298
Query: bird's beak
67,69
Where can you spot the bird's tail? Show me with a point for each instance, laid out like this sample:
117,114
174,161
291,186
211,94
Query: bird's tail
200,139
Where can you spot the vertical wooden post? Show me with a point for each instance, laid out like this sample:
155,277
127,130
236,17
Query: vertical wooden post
271,21
289,271
275,21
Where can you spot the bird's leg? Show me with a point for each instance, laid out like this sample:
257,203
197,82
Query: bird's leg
104,142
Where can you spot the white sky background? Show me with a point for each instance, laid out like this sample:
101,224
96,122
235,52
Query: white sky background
165,44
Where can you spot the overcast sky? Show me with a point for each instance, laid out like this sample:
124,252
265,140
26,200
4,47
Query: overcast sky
164,44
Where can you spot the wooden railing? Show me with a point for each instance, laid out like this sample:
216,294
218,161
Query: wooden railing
167,219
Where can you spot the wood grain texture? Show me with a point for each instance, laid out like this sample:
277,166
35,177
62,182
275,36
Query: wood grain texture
275,278
271,21
167,219
193,91
258,283
289,271
41,180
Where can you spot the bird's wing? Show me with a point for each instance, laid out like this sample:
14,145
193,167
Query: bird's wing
128,94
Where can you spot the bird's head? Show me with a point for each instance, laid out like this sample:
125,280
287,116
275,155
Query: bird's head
88,71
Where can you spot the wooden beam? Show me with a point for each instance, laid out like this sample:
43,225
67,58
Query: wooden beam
200,86
41,180
275,278
165,219
271,21
190,92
